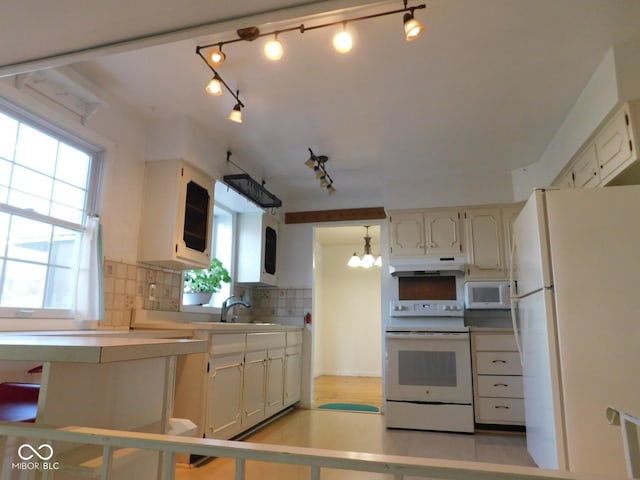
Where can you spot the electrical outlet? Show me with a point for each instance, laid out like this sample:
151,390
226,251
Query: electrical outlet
152,292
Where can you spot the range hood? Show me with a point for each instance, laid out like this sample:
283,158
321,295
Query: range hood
416,266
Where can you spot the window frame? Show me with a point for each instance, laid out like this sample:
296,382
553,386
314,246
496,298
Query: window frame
53,128
232,268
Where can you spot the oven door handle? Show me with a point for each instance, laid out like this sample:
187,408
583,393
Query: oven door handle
428,335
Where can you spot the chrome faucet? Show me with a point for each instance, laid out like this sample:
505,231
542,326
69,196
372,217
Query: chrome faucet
227,305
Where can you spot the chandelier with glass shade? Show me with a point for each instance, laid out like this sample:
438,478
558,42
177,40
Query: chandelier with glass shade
367,259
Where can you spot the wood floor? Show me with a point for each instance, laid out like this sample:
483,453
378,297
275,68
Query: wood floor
345,389
360,432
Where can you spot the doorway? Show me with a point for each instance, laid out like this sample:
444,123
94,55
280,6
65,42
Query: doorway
347,324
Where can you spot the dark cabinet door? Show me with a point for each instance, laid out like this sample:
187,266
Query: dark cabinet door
270,248
196,215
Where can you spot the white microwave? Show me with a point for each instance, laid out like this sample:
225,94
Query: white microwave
487,295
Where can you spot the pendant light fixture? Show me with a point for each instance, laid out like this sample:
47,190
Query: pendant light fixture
367,259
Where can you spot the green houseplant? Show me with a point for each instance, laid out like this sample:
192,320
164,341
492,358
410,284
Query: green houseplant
199,285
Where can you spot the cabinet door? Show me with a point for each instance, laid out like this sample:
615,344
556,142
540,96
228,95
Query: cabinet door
442,228
407,233
585,168
292,375
509,215
483,227
566,181
613,144
275,381
193,240
255,375
224,397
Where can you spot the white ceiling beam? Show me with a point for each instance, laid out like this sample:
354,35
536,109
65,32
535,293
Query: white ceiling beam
119,45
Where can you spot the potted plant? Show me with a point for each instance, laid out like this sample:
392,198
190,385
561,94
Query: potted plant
199,285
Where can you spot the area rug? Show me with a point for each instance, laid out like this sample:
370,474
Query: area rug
353,407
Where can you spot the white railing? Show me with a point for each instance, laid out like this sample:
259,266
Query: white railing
629,426
109,442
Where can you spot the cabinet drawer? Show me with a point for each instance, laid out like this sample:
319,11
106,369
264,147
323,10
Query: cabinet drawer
500,386
498,363
265,341
294,338
500,410
497,342
227,343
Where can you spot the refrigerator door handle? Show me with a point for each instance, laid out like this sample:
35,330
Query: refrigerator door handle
514,301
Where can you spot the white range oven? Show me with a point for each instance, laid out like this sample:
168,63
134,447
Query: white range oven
428,355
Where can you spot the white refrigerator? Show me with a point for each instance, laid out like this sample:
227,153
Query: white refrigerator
576,311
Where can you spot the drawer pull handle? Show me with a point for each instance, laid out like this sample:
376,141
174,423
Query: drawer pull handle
505,407
498,361
500,385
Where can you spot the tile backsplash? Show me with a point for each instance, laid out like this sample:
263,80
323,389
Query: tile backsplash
127,287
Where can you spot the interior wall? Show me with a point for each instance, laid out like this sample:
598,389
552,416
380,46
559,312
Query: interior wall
350,338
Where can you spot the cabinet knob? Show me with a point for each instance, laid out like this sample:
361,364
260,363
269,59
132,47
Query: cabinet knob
498,361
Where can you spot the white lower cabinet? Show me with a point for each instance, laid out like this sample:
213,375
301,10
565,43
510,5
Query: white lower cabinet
244,379
224,398
292,368
497,377
275,381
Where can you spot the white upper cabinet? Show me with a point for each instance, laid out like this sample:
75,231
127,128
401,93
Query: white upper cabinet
257,249
586,173
489,232
433,232
177,213
485,247
442,232
610,156
407,233
613,144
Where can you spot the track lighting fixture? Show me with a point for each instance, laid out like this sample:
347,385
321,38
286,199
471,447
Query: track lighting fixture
367,259
318,165
273,49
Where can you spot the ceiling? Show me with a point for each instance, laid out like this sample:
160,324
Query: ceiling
483,91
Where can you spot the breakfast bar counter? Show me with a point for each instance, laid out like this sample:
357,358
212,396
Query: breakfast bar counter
92,349
122,383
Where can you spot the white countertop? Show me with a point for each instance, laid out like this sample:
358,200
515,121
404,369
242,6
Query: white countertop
93,348
217,327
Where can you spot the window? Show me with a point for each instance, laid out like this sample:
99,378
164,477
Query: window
222,248
46,192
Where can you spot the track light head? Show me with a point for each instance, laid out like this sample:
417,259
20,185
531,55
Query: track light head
236,114
214,87
217,57
273,49
342,41
413,29
310,162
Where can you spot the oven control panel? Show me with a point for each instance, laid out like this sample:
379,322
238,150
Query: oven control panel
415,308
